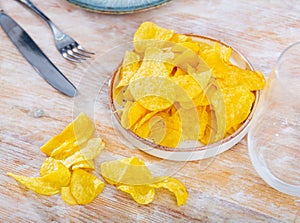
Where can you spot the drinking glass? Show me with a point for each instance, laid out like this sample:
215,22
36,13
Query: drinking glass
274,136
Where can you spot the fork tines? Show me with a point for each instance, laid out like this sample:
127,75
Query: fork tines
75,53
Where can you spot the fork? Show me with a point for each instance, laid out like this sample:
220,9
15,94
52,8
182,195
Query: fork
67,46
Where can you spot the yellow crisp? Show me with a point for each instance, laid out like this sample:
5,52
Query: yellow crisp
132,112
150,31
85,187
130,171
85,164
141,194
67,196
75,134
48,184
131,176
89,151
174,186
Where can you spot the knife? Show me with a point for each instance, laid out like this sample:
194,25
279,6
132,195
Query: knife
35,56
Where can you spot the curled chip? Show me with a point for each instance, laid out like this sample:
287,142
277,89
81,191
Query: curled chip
85,164
174,186
140,193
48,184
150,31
130,171
133,112
88,152
153,93
85,187
69,140
129,67
130,175
167,72
67,196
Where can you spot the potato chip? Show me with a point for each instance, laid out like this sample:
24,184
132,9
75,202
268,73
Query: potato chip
153,93
130,171
180,38
85,164
155,63
150,31
194,122
90,151
211,130
141,194
67,196
229,75
171,127
178,72
194,46
185,58
189,87
237,103
75,134
136,173
48,166
132,113
129,67
84,186
48,184
174,186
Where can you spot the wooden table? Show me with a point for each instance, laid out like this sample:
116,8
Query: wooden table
223,189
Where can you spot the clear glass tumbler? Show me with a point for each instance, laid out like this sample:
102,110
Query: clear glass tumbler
274,136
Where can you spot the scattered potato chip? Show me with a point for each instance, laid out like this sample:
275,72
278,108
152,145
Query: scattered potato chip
89,151
130,171
48,184
141,194
174,186
67,196
48,166
85,187
85,164
130,175
176,72
75,134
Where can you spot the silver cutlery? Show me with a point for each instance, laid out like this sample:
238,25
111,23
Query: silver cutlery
67,46
35,56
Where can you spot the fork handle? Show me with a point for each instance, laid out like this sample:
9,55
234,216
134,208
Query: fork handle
56,31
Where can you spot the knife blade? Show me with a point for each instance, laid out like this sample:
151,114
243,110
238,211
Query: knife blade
35,56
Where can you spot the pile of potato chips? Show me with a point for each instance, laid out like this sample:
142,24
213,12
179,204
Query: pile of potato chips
171,88
71,156
66,170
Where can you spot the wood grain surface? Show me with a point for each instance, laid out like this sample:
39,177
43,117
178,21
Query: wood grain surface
222,189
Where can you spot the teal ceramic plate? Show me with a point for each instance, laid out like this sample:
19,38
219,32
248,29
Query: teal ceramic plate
118,6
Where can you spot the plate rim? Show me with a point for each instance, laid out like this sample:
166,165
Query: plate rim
119,10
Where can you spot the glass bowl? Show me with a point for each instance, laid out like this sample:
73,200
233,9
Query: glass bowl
191,150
